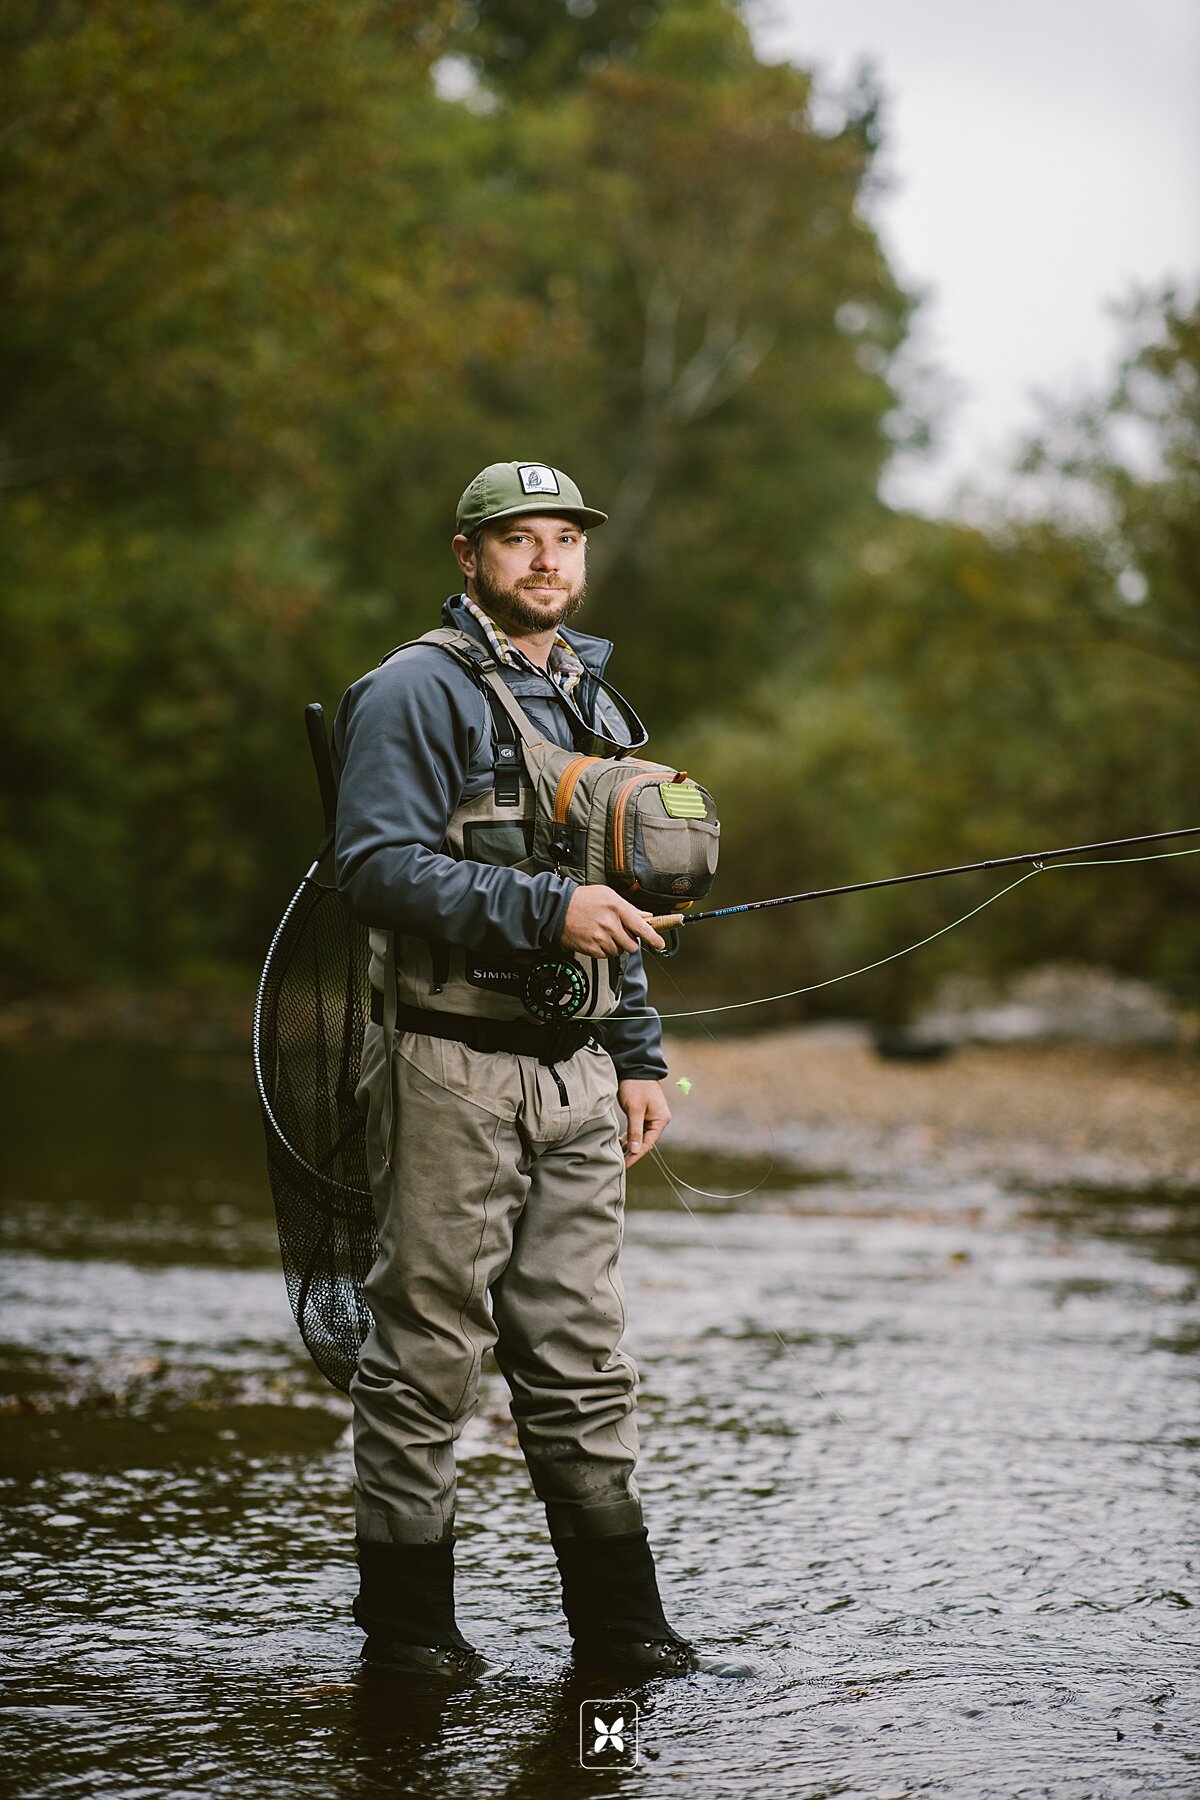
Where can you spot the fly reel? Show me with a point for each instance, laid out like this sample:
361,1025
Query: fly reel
554,989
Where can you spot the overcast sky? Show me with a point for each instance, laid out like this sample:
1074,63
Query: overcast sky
1043,159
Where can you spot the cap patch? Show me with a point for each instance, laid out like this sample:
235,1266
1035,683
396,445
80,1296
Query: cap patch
536,478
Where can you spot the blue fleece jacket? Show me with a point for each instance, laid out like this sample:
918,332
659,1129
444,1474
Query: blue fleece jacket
412,739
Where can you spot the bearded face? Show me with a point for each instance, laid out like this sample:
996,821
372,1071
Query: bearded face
524,599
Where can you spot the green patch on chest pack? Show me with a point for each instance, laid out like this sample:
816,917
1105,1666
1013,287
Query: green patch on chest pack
682,799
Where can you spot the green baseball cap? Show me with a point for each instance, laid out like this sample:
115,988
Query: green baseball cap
505,489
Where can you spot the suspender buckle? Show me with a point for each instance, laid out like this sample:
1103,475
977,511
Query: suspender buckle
506,775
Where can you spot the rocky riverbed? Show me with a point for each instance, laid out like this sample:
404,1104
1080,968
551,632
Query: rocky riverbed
821,1098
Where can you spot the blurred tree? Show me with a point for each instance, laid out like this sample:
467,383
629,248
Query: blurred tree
535,48
275,295
191,201
976,693
1133,459
229,241
718,321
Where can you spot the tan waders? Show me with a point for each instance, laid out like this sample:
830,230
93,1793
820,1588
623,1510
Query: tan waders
500,1218
499,1222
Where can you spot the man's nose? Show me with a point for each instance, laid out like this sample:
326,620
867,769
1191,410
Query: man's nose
546,557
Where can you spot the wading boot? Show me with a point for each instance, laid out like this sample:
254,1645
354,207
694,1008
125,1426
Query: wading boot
405,1605
614,1613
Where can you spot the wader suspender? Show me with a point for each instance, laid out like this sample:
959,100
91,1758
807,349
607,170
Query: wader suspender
482,667
506,754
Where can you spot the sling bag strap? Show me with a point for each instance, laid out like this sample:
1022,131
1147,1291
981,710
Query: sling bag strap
481,665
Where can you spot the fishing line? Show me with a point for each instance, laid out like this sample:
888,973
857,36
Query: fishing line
676,1182
1038,869
768,999
678,1185
745,1292
706,1193
734,1006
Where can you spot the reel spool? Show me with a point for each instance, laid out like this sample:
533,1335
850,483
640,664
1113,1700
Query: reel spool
554,989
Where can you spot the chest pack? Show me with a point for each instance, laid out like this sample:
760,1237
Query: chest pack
640,827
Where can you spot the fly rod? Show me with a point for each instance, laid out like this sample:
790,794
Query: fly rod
673,920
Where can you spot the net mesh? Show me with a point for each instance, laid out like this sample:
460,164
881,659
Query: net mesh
312,1007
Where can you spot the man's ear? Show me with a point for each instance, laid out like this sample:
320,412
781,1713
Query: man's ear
464,550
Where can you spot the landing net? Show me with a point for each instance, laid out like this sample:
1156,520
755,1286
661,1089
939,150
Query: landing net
309,1017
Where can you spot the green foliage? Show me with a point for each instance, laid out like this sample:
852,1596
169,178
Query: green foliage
719,344
274,297
532,48
975,694
204,223
156,804
231,238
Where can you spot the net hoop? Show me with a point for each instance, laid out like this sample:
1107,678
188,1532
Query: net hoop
310,1013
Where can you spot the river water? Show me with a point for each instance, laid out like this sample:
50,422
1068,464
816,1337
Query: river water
925,1460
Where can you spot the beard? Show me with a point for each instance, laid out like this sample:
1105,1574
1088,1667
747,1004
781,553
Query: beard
516,611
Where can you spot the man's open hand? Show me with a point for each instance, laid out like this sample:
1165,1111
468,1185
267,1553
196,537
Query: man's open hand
647,1116
600,923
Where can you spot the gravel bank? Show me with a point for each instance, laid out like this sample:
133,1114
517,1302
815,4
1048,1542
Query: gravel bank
1023,1115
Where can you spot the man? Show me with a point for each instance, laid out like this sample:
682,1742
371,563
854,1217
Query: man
495,1142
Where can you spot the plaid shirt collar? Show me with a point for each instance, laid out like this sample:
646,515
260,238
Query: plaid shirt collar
564,669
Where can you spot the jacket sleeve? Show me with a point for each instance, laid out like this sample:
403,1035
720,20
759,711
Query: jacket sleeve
404,737
632,1034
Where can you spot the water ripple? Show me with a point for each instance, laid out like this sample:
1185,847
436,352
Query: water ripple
926,1465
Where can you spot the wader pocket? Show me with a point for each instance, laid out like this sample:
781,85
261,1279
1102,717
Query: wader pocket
489,1080
593,1074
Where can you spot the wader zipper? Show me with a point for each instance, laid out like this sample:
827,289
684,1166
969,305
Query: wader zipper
560,1084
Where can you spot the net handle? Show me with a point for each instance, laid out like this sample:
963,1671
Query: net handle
318,744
